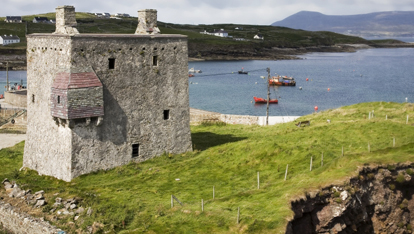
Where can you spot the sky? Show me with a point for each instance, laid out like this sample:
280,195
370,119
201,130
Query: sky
258,12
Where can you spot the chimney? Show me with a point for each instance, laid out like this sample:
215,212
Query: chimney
66,20
147,22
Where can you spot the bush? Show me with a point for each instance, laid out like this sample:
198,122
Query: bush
400,178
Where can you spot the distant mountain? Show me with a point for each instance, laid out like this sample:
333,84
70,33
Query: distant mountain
383,24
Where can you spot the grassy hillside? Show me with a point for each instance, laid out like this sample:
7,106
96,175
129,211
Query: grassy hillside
274,36
136,197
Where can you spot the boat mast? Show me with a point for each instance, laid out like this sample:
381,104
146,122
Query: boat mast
268,96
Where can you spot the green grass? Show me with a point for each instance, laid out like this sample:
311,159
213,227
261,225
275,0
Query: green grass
136,197
274,36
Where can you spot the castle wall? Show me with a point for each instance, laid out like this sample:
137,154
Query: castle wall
145,94
48,145
136,93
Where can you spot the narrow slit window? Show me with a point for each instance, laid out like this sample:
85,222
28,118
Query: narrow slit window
58,99
33,98
155,60
135,150
111,63
166,114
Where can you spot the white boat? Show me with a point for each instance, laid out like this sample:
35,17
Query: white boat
192,70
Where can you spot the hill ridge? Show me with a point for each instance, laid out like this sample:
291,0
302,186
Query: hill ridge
385,23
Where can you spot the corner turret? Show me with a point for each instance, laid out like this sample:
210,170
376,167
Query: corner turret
147,22
66,20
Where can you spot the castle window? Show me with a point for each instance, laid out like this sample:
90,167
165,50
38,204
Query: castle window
135,150
166,114
33,98
155,60
58,99
111,63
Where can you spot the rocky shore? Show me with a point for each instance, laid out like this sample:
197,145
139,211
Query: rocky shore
202,52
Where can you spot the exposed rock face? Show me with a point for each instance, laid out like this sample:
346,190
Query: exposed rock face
380,200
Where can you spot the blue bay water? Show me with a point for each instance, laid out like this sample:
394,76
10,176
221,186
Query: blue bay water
364,76
14,77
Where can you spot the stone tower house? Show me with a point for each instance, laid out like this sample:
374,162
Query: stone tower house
97,101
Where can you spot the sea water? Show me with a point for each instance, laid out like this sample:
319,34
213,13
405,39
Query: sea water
334,80
15,77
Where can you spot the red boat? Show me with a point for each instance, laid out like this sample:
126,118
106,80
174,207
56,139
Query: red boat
262,100
282,81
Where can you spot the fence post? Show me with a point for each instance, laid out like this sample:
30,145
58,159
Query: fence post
311,164
342,151
238,215
202,205
407,120
213,193
172,201
369,147
322,160
393,142
287,166
258,180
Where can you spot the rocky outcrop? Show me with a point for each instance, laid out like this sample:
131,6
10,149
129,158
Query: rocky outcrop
379,200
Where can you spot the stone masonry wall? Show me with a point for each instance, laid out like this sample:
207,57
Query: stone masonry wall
48,145
16,99
18,222
137,91
149,78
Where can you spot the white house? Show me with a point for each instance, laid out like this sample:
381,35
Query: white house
13,19
122,15
220,33
5,39
40,20
259,37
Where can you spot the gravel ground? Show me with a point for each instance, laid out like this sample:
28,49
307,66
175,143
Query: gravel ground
9,140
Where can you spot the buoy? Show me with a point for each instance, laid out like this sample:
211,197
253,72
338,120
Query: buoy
300,88
329,89
316,108
307,79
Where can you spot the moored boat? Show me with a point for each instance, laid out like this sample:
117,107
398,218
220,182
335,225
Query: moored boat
262,100
282,81
192,70
243,72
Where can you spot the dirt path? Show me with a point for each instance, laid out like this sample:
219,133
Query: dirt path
9,140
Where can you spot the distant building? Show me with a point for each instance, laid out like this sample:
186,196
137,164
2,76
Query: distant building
13,19
218,33
103,15
41,20
5,39
122,15
258,37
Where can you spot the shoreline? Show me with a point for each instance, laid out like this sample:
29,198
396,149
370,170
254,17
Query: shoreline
274,54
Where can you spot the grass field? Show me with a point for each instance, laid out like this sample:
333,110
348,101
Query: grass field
274,36
137,197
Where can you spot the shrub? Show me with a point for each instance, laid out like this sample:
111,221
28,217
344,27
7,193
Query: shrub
400,178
